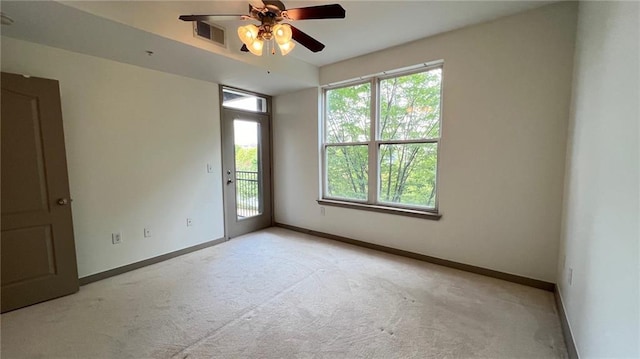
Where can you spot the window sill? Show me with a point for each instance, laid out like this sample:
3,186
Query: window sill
382,209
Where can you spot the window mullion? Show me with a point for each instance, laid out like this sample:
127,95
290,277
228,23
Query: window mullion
407,142
323,155
346,143
373,144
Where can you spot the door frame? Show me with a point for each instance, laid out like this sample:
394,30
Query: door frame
268,114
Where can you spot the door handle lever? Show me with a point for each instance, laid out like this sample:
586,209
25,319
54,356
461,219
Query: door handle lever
229,181
63,202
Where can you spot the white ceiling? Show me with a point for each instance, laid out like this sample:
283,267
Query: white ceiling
124,30
375,25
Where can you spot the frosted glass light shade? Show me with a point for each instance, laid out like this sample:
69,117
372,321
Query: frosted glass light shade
282,33
256,47
286,47
248,34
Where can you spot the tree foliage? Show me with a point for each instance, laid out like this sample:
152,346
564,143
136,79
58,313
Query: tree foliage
246,158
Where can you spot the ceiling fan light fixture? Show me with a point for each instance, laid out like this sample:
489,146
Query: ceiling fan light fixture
270,14
248,34
286,47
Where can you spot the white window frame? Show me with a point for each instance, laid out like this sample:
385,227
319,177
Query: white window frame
373,144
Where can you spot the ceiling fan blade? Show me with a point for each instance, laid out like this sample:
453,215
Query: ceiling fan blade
306,40
333,11
244,48
210,17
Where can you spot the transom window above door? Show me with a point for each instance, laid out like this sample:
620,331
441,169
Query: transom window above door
243,100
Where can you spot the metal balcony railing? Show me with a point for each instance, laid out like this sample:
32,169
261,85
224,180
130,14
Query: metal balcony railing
247,194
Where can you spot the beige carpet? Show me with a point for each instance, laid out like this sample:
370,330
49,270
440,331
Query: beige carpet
280,294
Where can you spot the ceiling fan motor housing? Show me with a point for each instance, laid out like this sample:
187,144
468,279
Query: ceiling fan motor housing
265,32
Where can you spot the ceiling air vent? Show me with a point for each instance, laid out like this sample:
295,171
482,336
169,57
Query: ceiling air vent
209,32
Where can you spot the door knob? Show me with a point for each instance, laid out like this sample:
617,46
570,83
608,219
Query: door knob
63,201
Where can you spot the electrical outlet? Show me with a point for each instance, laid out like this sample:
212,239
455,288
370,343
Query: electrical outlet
116,238
147,232
570,276
322,211
189,222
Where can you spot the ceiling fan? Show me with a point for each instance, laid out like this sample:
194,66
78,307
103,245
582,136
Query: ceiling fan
271,15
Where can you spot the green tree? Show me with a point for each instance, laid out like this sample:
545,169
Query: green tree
246,158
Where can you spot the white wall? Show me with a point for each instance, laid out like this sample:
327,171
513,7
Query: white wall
507,87
601,238
138,142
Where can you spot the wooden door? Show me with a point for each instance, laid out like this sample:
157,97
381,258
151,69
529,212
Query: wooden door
37,247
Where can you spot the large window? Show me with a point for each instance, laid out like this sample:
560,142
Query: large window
381,140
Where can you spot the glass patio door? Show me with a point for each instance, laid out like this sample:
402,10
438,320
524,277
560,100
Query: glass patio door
246,170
